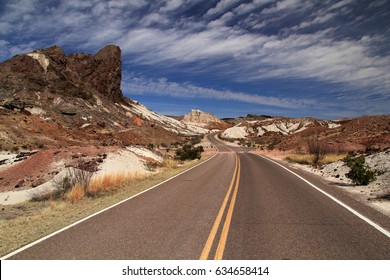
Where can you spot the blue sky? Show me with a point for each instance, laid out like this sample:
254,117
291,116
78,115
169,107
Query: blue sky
323,58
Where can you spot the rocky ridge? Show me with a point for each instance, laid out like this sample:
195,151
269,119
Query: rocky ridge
278,125
49,98
288,134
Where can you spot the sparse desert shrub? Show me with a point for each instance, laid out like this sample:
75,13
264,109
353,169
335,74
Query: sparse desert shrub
196,140
170,163
189,152
150,147
360,173
317,148
74,177
62,185
151,165
79,177
273,142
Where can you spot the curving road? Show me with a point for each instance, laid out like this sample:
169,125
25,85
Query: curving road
237,205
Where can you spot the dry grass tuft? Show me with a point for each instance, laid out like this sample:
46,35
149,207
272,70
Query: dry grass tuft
310,159
301,159
329,158
111,181
75,194
170,163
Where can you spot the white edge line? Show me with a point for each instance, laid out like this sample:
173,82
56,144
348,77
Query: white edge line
97,213
364,218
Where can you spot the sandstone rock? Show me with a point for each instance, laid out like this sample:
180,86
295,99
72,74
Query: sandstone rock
199,118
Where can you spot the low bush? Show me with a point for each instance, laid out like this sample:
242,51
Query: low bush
189,152
152,165
360,173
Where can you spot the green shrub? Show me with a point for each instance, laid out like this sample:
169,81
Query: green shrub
189,152
360,173
196,140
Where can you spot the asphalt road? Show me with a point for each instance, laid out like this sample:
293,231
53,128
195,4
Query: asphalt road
237,205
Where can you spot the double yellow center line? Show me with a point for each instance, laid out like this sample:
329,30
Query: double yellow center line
225,230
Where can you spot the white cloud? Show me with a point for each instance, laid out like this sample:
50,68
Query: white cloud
125,4
154,18
323,18
221,7
377,3
171,5
222,20
255,57
141,86
340,4
285,4
249,7
316,56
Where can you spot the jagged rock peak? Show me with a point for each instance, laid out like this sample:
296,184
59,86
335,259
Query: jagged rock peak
109,52
52,71
54,50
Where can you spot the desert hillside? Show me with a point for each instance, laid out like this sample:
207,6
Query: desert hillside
355,134
51,99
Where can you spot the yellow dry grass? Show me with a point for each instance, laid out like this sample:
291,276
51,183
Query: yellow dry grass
329,158
300,158
111,181
75,194
170,163
309,159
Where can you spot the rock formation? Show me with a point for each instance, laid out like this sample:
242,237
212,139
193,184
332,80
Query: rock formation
78,75
74,99
202,119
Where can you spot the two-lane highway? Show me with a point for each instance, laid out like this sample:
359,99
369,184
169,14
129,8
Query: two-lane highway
237,205
278,216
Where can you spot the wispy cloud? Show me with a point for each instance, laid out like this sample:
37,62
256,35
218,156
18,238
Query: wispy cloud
135,85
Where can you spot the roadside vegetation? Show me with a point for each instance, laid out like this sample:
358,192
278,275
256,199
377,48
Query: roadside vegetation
80,182
311,160
189,152
317,153
23,223
360,173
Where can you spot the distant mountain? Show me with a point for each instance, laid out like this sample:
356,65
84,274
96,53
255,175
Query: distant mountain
249,117
279,126
204,120
49,98
366,132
